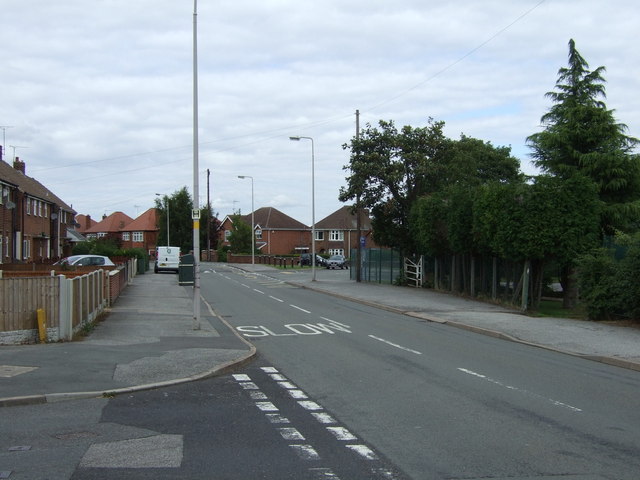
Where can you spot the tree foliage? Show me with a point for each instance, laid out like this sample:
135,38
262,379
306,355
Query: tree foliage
180,207
240,237
582,136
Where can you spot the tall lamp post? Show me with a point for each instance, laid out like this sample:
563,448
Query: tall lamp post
313,208
166,202
253,233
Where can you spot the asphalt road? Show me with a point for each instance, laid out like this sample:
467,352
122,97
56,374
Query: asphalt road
436,401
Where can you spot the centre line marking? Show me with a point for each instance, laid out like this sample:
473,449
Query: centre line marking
256,290
509,387
276,299
395,345
298,308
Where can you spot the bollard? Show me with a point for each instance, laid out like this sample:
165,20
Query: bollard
42,325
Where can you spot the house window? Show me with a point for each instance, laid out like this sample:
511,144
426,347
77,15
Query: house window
102,234
46,208
28,206
336,236
259,234
26,249
319,235
138,236
336,251
126,236
227,234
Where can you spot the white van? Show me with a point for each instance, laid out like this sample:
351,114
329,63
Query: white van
167,259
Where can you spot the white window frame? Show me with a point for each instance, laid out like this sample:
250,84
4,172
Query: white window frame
28,206
336,236
258,233
126,236
138,236
336,251
26,248
319,235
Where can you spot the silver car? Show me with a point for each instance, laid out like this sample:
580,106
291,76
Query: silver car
337,261
83,260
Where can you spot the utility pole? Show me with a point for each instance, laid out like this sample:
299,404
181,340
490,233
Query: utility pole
196,194
208,219
358,221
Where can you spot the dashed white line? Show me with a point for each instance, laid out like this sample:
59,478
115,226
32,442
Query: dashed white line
363,451
299,308
277,418
266,406
276,299
290,433
297,394
306,452
395,345
309,405
342,434
323,418
259,291
510,387
246,286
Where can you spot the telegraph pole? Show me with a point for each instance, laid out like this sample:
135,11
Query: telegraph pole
358,221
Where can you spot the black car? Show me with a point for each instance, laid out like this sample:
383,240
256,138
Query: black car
305,259
337,261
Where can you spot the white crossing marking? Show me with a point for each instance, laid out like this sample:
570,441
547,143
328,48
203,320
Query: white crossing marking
297,394
363,451
241,377
269,369
277,418
395,345
309,405
258,395
290,433
324,473
509,387
324,418
277,377
342,434
306,452
287,385
248,386
266,406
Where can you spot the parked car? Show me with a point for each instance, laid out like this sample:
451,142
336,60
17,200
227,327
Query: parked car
83,260
305,259
337,261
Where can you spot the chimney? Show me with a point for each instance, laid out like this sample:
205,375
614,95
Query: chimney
104,216
19,165
87,222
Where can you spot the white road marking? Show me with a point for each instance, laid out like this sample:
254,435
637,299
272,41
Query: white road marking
241,377
276,299
299,308
323,418
342,434
290,433
248,386
287,385
309,405
306,452
266,406
363,451
258,395
277,377
246,286
395,345
269,369
510,387
277,418
260,292
324,473
297,394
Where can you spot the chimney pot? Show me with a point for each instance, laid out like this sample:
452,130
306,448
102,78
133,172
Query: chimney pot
19,165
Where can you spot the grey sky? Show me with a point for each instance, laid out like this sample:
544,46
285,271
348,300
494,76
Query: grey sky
100,92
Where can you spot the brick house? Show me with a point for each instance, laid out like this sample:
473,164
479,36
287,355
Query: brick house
84,223
142,232
34,223
337,233
276,233
110,227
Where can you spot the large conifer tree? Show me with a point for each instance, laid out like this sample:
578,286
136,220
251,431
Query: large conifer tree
581,136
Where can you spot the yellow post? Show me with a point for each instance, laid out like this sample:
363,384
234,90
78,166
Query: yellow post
42,324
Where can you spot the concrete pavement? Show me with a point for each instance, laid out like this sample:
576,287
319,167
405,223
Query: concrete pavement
148,339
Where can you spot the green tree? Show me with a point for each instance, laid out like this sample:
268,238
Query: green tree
389,169
180,222
240,237
581,136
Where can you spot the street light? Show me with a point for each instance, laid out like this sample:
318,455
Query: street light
166,202
253,233
313,208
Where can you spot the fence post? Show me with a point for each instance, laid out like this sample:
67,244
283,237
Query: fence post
65,327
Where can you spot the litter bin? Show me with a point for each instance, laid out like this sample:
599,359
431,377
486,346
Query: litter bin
186,270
